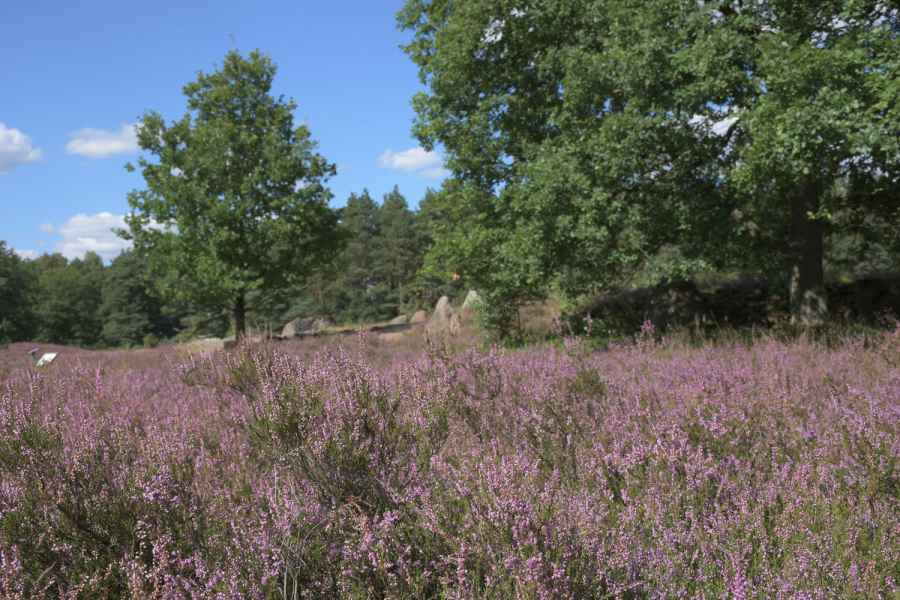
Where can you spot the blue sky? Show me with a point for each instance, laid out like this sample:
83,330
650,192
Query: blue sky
77,75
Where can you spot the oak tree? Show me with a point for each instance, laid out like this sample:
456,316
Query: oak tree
235,204
604,131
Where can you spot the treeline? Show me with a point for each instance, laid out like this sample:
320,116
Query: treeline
84,302
378,274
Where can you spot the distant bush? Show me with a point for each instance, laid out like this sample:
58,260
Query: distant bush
732,304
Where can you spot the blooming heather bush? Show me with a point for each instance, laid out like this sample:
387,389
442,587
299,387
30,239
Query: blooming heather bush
648,471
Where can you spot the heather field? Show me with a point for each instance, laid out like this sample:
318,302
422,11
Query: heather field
649,470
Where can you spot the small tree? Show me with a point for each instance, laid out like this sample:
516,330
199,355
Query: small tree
400,249
235,200
358,262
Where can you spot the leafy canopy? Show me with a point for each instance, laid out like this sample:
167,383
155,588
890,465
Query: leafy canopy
130,311
16,310
586,135
67,298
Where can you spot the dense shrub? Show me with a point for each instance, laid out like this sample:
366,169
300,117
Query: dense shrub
742,303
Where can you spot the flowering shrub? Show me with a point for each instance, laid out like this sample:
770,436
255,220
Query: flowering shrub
649,471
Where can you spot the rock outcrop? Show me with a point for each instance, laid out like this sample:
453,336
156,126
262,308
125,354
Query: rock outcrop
205,345
444,320
472,301
307,326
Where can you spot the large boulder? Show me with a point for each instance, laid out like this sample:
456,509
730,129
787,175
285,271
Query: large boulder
204,345
472,301
420,316
444,320
393,337
400,320
307,326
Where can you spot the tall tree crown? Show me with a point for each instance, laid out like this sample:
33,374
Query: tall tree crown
235,198
607,129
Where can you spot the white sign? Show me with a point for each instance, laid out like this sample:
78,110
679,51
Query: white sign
46,359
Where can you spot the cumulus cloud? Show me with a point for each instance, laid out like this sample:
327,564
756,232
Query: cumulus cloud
435,173
92,233
415,160
100,143
15,149
27,254
96,233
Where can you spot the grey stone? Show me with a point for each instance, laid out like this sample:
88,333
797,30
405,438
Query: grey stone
444,320
472,301
306,326
392,337
204,345
420,316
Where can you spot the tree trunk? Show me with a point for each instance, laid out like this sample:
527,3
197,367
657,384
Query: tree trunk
240,317
806,250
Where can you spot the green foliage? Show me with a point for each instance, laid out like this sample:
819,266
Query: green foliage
587,135
131,311
375,276
84,302
474,241
235,199
399,253
359,280
433,278
68,299
16,286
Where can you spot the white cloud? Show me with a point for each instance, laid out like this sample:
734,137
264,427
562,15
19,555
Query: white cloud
15,149
92,233
436,173
27,254
100,143
95,233
47,228
415,160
